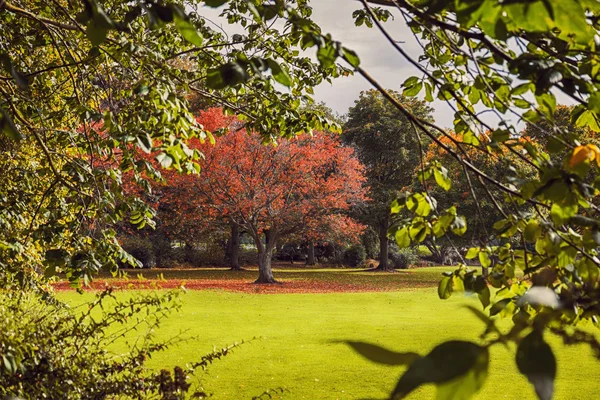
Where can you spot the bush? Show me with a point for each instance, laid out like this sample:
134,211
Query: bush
355,255
141,249
166,255
402,258
204,254
370,240
51,351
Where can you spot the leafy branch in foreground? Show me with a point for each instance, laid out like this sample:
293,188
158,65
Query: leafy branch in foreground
542,250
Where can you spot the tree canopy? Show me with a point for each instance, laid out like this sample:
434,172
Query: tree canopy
272,191
385,142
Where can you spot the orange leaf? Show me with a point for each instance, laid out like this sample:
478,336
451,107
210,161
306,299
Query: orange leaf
582,154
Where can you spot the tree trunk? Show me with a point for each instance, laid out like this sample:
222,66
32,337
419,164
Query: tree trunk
383,246
234,247
310,260
265,255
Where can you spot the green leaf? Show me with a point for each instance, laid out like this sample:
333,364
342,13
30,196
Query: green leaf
570,19
57,257
381,355
500,135
8,127
521,89
279,73
532,231
561,213
413,90
484,259
428,92
445,287
594,102
351,57
531,16
187,29
484,296
327,54
441,178
589,119
536,361
472,253
447,362
459,225
499,306
397,205
402,237
96,35
230,74
420,204
464,387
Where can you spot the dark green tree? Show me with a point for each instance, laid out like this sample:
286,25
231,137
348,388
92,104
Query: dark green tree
385,142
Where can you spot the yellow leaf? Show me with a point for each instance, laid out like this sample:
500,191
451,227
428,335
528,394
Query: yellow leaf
581,154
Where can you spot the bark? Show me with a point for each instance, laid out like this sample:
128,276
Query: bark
234,247
265,255
310,260
383,246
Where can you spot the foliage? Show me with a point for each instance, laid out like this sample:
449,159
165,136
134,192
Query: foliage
299,187
87,87
403,258
141,249
385,143
451,186
355,255
548,225
370,240
50,350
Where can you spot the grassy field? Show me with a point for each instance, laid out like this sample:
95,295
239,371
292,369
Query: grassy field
297,346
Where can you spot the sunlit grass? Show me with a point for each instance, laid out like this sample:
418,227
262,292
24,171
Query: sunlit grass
298,335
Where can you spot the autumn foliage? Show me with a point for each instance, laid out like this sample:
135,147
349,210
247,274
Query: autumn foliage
301,186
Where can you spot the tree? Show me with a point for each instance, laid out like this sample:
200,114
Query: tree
97,83
274,191
385,142
443,178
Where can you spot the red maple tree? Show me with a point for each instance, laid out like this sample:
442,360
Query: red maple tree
270,191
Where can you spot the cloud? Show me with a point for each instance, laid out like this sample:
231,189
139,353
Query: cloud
378,57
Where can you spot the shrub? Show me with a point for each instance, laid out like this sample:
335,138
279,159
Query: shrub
204,254
49,350
355,255
141,249
166,255
370,240
402,258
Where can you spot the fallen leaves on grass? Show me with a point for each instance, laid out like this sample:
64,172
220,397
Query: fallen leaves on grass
243,286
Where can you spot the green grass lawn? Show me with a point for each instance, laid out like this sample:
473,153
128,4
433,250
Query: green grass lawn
297,345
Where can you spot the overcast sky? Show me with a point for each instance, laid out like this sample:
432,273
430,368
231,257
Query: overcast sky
377,55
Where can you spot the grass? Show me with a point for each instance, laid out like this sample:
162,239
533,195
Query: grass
298,339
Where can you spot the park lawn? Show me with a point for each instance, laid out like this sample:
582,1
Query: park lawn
297,345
